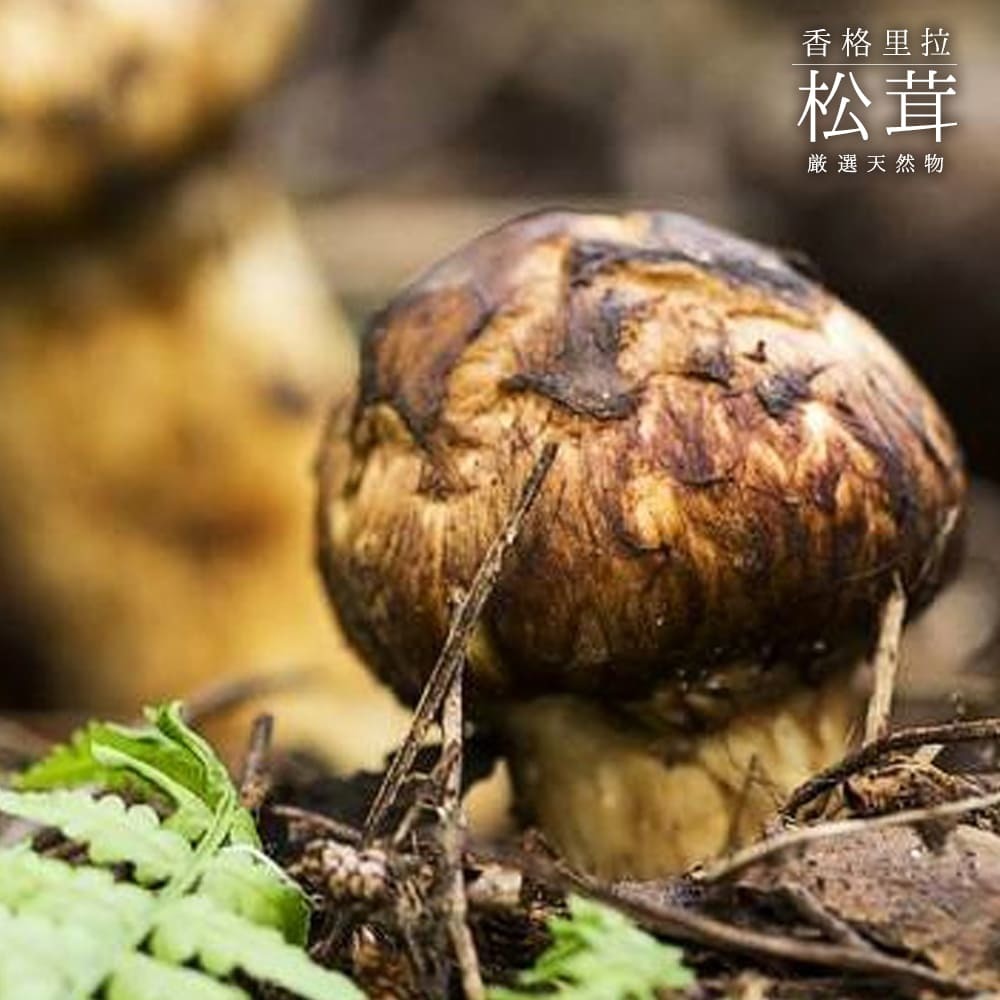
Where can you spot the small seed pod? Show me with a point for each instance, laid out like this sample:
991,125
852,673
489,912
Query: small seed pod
348,874
745,466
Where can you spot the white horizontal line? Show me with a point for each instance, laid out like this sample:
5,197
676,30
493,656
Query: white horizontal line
874,64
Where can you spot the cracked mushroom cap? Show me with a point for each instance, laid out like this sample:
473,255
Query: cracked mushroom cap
93,87
744,463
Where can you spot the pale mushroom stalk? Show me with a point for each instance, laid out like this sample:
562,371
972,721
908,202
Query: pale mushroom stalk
745,468
628,801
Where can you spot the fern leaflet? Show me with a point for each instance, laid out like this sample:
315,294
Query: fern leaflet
202,900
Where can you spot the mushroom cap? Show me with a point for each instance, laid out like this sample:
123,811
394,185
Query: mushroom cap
96,87
744,465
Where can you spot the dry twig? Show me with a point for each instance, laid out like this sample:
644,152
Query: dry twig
452,654
903,739
318,824
453,839
442,696
232,692
886,662
812,909
256,781
754,853
681,924
685,925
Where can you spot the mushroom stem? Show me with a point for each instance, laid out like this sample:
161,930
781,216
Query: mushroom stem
617,804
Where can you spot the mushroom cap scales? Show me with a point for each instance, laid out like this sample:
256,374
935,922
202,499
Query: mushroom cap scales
745,465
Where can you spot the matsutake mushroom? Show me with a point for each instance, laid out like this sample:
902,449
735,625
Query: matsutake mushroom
745,467
164,379
93,89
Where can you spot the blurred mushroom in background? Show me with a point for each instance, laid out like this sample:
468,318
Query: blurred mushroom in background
166,358
163,383
95,89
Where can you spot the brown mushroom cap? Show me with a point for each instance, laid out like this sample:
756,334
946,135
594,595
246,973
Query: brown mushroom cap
89,88
744,462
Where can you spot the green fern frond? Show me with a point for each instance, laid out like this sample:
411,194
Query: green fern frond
112,831
38,963
165,757
597,954
197,928
142,976
204,900
65,928
69,765
249,883
79,896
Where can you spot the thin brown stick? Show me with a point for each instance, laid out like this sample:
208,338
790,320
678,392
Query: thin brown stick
945,733
256,781
778,844
231,693
452,654
681,924
886,662
453,839
321,824
809,907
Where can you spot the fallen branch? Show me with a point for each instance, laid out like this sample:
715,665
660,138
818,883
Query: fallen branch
685,925
813,911
681,924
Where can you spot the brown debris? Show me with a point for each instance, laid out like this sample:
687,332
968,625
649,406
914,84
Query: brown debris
896,889
940,906
912,738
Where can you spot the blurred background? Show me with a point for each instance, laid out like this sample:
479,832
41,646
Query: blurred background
202,200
